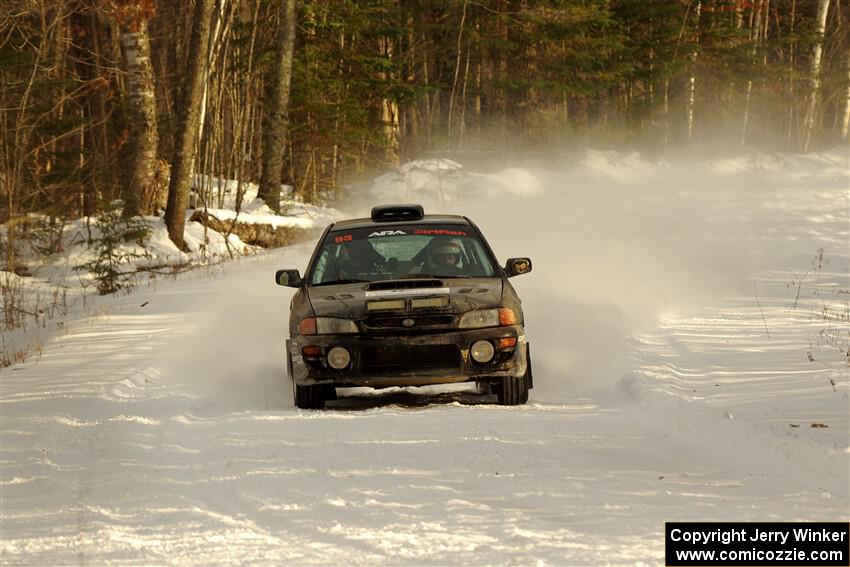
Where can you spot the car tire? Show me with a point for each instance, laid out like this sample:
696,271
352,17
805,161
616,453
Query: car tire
309,397
513,390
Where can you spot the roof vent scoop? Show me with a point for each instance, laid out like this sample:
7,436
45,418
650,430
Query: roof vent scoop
391,213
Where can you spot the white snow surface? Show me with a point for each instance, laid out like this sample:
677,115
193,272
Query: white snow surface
678,376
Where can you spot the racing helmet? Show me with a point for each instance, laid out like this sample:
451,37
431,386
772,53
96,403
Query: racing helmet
447,253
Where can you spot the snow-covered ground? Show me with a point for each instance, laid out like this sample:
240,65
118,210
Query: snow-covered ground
679,376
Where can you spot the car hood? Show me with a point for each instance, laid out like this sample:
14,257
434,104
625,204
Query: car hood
349,300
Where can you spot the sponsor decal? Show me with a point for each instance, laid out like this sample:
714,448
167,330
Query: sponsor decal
386,233
439,232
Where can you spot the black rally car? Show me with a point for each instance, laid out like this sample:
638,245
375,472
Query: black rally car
405,299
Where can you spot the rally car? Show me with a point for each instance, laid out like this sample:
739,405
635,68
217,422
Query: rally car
405,299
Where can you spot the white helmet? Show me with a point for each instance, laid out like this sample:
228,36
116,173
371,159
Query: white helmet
447,253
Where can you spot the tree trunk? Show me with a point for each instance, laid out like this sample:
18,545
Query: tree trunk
389,110
426,106
755,38
187,127
665,110
845,125
456,74
479,80
814,76
277,120
692,80
792,65
87,53
135,44
502,74
462,117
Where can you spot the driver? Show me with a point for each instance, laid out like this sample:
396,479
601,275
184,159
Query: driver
446,256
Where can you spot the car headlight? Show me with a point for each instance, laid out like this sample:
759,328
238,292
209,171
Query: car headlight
326,326
487,318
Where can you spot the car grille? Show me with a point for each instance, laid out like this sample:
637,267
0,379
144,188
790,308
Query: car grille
397,322
410,359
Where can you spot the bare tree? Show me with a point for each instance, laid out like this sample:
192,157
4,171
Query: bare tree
187,128
21,118
277,120
451,112
389,109
814,76
89,55
692,79
845,124
756,25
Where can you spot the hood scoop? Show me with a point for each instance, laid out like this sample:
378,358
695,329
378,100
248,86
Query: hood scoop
404,284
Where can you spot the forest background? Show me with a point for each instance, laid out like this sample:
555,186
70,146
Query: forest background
107,100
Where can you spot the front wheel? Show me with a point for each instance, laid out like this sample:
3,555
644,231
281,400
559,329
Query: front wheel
309,397
305,397
513,390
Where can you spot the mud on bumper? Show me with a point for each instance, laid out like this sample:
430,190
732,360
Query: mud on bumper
406,360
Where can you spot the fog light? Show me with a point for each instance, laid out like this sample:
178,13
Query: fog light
338,358
482,351
312,351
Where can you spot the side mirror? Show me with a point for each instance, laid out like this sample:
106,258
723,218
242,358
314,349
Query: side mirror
289,278
517,266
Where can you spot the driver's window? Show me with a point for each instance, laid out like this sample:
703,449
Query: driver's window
322,273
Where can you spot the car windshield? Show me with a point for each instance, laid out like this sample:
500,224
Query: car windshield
394,252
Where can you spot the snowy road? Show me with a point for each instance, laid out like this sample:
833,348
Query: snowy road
158,428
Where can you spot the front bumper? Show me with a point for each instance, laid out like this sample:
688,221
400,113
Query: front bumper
381,361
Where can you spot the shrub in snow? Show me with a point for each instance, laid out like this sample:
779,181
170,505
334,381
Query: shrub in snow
112,250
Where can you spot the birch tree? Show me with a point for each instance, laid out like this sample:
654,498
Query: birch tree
814,76
133,17
692,79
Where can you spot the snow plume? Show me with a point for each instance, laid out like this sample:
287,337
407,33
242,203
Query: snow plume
237,361
618,241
